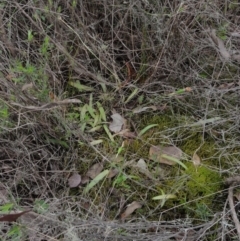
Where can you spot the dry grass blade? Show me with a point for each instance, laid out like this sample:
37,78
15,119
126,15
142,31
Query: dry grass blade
222,49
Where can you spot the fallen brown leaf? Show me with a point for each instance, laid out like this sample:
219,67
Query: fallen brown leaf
130,209
156,152
118,123
94,170
196,160
112,173
142,167
74,180
126,133
12,217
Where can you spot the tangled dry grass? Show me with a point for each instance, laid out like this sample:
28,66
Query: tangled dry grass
165,46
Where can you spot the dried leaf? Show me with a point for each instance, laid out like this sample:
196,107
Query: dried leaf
74,180
85,180
156,152
142,167
112,173
94,170
130,209
226,86
142,109
12,217
196,159
235,34
142,164
126,133
117,124
236,57
27,86
222,49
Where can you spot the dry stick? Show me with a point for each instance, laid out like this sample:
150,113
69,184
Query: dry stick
232,209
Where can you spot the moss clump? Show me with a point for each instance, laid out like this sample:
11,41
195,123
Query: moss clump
201,187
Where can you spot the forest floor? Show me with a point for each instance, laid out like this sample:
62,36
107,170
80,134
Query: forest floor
119,120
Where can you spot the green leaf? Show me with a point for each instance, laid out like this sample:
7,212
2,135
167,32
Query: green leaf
135,92
91,111
83,112
108,133
144,130
80,87
96,142
95,181
102,112
164,197
174,160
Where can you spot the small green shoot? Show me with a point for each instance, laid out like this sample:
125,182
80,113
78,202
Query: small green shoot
144,130
108,133
95,181
135,92
102,112
96,142
80,87
164,197
30,36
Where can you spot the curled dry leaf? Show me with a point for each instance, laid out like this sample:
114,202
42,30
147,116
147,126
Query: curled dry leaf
74,180
156,152
27,86
196,159
142,167
130,209
112,173
94,170
118,123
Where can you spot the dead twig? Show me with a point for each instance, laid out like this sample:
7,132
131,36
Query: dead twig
232,209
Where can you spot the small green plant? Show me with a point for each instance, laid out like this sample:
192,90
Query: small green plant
222,31
164,197
203,211
45,47
7,207
40,206
92,118
15,233
120,181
